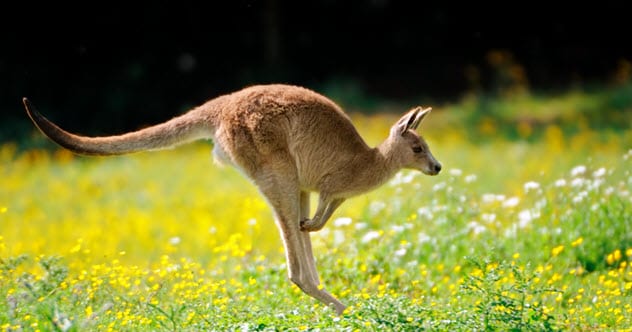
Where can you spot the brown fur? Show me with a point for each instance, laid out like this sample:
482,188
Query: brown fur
290,141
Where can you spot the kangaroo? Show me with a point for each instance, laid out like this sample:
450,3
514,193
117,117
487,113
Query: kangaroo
290,141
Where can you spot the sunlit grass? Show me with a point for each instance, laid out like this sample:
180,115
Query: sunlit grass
524,233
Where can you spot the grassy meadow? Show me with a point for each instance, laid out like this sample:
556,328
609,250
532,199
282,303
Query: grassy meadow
528,227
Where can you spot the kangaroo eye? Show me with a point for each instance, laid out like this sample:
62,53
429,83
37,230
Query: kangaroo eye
417,149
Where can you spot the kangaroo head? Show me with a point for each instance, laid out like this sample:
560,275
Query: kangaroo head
410,149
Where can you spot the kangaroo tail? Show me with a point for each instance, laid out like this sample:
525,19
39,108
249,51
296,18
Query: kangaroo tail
179,130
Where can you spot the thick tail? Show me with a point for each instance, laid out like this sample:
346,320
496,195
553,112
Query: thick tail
183,129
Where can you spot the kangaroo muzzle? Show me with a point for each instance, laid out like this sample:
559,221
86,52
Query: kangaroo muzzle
433,167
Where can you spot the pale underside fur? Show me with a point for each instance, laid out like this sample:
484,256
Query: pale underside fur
289,141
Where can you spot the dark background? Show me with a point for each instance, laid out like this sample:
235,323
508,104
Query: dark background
102,67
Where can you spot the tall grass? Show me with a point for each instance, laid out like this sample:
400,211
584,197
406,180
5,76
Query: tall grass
527,228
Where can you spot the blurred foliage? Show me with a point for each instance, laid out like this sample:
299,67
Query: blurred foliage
527,116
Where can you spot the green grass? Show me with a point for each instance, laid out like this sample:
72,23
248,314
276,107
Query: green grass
528,228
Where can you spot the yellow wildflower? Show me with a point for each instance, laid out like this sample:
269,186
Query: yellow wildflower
557,250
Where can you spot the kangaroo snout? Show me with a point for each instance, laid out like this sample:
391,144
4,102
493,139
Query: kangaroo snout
432,169
436,168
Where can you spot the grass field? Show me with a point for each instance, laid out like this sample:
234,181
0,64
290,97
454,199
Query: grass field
529,227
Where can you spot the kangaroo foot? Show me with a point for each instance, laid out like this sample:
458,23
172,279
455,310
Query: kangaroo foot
308,225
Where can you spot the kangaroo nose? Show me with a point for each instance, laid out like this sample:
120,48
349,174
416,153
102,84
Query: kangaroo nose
437,168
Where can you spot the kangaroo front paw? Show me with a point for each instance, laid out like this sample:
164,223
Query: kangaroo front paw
307,225
304,225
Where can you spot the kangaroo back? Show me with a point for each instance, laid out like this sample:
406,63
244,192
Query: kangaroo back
179,130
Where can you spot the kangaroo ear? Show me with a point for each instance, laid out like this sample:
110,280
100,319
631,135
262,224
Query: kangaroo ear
405,122
410,120
420,116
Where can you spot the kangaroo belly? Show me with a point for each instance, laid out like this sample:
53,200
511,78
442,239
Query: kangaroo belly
220,156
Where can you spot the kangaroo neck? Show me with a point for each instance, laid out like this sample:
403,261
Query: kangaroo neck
386,156
370,170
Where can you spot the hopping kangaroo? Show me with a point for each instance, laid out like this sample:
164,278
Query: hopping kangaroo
289,141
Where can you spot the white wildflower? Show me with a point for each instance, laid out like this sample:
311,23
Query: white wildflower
475,227
487,198
525,217
488,217
375,207
596,184
402,178
560,183
439,186
174,241
608,191
61,320
396,180
580,197
470,178
491,198
531,185
456,172
425,212
441,220
511,202
510,232
342,221
370,236
600,172
397,228
401,252
578,170
577,182
438,208
172,268
361,225
423,238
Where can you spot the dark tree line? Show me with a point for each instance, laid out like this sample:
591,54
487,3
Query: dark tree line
117,65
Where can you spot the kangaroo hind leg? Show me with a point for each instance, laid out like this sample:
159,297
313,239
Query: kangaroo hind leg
304,204
284,196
